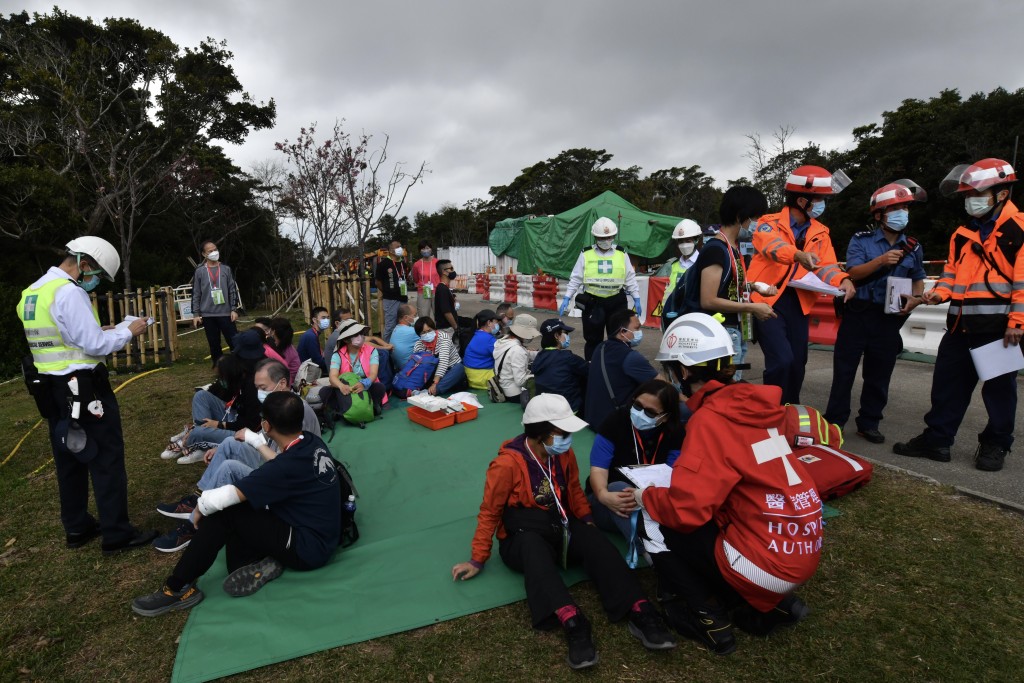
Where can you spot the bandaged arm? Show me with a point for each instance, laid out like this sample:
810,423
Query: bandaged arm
215,500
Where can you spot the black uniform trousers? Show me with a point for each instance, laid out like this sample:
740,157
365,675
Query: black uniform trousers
248,535
865,331
595,319
538,557
215,326
953,384
105,467
783,340
689,570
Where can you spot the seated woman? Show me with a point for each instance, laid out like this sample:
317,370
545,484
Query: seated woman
353,355
512,359
450,374
534,504
479,360
556,369
741,519
644,432
281,335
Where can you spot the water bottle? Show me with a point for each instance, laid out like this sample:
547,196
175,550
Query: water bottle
350,505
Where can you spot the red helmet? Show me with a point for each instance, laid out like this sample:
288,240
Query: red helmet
902,191
810,180
979,176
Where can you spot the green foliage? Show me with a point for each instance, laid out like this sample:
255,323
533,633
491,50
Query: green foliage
12,337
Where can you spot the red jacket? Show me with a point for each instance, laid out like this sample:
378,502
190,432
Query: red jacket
736,467
508,485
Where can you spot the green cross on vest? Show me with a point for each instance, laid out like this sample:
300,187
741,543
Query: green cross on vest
604,266
29,310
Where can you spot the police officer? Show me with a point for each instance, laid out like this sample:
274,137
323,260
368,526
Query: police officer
788,245
983,281
867,329
600,274
68,379
686,237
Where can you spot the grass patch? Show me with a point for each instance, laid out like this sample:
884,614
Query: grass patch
917,583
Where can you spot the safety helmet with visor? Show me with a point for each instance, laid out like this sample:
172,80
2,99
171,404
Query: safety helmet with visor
979,176
903,191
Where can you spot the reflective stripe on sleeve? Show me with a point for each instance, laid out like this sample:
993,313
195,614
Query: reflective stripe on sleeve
754,574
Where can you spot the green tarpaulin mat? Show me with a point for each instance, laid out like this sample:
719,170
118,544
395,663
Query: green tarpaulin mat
420,491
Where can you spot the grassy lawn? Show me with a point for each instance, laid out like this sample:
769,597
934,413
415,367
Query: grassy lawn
916,584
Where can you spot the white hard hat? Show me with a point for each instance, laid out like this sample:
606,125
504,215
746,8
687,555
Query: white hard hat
686,228
100,251
695,339
604,227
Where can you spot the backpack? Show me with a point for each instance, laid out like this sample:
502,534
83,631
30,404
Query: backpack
494,390
308,373
349,529
359,412
685,298
415,374
385,373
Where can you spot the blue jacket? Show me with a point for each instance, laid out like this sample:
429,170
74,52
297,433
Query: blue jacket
480,351
557,371
627,370
309,349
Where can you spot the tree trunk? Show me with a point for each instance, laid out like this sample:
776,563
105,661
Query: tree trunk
126,261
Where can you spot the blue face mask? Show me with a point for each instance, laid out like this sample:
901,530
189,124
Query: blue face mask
565,342
642,420
90,283
638,336
324,323
747,233
262,395
428,336
897,220
560,445
817,208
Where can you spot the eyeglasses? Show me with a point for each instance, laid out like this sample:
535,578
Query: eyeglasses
647,411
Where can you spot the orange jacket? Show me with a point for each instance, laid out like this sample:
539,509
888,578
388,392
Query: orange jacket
986,293
508,485
774,249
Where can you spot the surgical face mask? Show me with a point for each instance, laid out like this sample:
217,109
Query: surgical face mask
746,234
817,208
897,220
604,245
428,337
399,252
565,342
89,283
642,420
506,321
496,330
638,336
686,248
213,255
559,445
323,323
425,253
978,206
356,340
262,395
458,305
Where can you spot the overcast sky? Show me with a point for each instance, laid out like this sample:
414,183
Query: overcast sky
481,90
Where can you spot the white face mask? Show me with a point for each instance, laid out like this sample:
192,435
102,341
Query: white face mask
356,340
213,255
686,248
399,252
978,206
604,245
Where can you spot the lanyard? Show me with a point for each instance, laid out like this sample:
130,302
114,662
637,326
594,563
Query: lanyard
736,269
548,474
209,274
638,448
298,439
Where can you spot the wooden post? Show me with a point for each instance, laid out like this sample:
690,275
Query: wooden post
113,321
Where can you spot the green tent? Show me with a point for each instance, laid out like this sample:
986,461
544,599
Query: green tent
553,243
506,237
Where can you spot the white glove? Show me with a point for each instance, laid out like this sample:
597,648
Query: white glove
254,439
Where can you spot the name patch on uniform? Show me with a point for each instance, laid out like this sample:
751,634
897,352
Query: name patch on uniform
808,458
764,227
30,307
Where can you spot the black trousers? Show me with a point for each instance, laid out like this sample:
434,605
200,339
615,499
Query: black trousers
538,558
595,319
106,469
690,571
248,534
215,326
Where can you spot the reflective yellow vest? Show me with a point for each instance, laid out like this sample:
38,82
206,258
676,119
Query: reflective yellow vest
604,275
673,280
49,352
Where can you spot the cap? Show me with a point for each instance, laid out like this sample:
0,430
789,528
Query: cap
351,328
554,325
248,345
524,326
552,408
486,316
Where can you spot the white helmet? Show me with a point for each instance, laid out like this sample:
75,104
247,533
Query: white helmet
100,251
604,228
686,228
695,339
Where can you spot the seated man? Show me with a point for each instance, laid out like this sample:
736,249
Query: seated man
233,459
479,358
506,314
616,368
284,514
556,369
403,337
309,342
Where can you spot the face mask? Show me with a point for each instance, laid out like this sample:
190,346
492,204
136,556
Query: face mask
399,252
897,220
458,305
213,255
686,248
978,206
506,321
565,342
747,233
356,340
452,275
604,245
638,336
324,323
90,283
425,253
560,445
262,395
817,208
496,331
428,337
642,420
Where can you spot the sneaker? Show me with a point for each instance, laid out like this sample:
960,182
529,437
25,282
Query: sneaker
181,509
180,436
989,457
77,540
165,600
710,628
192,455
582,653
252,577
918,447
176,540
649,628
138,539
174,450
872,435
789,612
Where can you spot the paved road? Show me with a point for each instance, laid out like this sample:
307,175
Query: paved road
908,402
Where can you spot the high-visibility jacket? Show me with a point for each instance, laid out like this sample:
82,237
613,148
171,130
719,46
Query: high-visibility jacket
50,354
604,275
673,280
774,249
985,290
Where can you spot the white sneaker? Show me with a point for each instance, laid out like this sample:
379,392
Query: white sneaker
192,457
180,436
175,449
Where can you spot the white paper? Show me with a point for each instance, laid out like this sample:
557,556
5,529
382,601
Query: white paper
813,283
643,476
128,320
993,360
895,289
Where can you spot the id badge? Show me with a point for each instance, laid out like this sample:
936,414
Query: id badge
218,296
402,288
427,290
565,545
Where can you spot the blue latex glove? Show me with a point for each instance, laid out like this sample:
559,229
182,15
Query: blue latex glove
564,306
366,382
636,305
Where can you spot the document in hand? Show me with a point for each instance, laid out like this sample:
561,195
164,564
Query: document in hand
129,319
643,476
813,283
895,289
993,360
